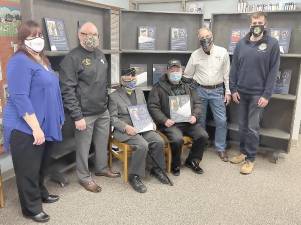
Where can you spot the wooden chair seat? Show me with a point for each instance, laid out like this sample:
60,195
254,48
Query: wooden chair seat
124,151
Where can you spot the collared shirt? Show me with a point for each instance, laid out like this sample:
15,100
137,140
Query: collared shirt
209,69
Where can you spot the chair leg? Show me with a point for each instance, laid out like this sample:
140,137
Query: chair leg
168,166
1,193
125,166
110,154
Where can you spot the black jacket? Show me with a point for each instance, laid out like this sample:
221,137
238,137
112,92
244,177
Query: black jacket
84,81
158,101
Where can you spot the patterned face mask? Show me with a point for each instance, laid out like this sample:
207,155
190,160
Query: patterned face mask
91,42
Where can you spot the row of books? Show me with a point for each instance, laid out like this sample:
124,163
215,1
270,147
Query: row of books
142,76
180,111
147,38
283,35
245,7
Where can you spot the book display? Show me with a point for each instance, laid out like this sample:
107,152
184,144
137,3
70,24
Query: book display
141,118
56,33
283,82
178,39
283,35
158,71
236,35
146,37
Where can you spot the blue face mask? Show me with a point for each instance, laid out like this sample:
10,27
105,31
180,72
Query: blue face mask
131,85
175,77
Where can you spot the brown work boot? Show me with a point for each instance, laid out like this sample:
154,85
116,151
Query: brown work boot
247,167
238,159
91,186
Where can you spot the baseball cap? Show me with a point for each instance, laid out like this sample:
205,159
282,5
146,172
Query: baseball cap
174,62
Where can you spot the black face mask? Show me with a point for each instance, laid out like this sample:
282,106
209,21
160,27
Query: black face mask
205,44
257,30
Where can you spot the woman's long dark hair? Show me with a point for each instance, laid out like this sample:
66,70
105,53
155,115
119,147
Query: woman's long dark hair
26,29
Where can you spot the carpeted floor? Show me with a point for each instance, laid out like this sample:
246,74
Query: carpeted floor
221,196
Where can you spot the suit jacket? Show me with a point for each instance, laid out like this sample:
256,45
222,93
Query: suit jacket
118,107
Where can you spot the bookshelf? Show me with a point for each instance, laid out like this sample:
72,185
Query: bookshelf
281,118
130,20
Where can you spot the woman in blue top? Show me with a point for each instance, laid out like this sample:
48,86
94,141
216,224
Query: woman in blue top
33,117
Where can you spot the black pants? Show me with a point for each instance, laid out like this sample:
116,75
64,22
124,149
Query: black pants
30,163
175,135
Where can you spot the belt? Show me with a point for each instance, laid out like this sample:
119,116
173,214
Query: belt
212,86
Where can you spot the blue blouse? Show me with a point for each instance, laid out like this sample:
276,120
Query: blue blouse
32,89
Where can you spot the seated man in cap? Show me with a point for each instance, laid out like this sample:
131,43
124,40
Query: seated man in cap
159,105
124,131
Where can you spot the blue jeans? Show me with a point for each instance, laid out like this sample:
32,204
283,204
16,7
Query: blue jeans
249,118
215,99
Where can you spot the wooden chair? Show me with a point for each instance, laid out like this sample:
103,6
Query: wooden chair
1,191
124,151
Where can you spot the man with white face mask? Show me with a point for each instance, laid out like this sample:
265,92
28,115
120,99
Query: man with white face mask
209,68
124,131
158,104
83,78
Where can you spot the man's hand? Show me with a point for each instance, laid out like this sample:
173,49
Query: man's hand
262,102
236,97
192,120
227,99
132,131
81,124
169,123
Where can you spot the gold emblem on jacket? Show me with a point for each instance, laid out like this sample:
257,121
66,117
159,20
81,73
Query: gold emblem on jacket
86,62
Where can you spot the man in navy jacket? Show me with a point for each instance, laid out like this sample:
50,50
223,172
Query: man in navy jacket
252,77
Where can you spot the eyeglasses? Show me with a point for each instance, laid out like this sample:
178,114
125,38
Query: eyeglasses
90,34
40,35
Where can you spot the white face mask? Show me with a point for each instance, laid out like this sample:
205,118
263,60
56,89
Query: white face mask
36,44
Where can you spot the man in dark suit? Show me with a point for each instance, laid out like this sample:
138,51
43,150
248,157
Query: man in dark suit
159,107
124,131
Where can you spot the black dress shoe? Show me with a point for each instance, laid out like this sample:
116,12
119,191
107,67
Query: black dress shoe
137,184
42,217
157,173
194,165
176,171
51,199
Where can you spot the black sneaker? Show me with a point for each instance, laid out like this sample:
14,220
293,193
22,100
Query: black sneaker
136,183
158,174
194,166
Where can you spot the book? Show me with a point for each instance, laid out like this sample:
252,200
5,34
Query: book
178,39
56,34
146,37
158,71
141,74
141,118
236,35
282,83
283,35
180,108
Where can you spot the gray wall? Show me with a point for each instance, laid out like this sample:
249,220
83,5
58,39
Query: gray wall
119,3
